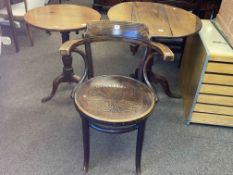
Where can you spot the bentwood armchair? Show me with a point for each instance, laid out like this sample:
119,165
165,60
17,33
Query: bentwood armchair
114,103
16,12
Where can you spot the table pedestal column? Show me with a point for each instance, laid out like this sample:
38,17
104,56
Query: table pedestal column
156,78
67,75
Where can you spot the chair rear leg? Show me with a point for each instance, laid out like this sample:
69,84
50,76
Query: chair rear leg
29,34
140,137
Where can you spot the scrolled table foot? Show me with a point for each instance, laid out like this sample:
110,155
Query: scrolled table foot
155,78
134,48
56,83
45,99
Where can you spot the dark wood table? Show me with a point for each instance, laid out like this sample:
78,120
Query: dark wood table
64,19
203,8
163,21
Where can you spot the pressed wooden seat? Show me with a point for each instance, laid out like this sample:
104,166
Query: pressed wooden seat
114,103
114,99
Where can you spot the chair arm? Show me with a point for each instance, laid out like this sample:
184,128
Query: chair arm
67,47
164,50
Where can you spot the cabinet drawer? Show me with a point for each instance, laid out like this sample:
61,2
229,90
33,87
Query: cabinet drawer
222,59
214,99
212,119
223,68
218,79
216,89
213,109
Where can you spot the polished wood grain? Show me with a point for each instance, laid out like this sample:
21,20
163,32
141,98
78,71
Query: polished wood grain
162,20
114,99
133,31
184,4
61,17
205,9
121,29
105,30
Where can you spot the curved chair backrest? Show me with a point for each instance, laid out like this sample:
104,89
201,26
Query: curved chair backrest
104,30
133,33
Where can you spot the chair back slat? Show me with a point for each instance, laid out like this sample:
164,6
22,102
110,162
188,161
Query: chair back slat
118,30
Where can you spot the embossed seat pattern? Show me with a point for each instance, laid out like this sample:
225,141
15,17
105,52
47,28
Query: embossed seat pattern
114,99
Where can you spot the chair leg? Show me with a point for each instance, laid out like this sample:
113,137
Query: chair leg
86,143
15,39
140,137
13,31
29,34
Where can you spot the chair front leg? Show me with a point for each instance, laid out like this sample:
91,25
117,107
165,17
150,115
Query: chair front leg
140,138
86,143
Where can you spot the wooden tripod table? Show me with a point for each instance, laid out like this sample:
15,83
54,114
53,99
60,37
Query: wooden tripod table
163,21
64,19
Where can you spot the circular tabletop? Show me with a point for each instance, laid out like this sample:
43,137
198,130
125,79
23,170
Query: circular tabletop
63,17
162,20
